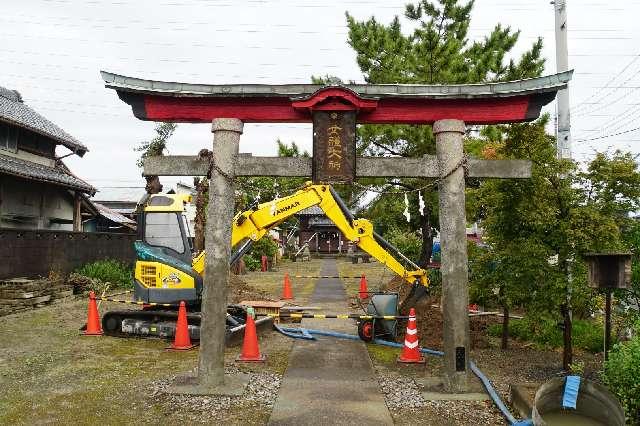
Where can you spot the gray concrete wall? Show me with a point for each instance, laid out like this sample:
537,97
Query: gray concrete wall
35,253
26,204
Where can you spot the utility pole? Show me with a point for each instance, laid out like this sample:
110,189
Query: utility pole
563,128
563,147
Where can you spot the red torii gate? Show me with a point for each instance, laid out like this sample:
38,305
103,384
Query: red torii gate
449,108
376,104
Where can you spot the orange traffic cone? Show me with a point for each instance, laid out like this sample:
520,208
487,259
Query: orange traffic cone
411,349
250,349
182,340
286,291
363,293
93,318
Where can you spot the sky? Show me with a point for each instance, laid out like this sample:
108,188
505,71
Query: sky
52,52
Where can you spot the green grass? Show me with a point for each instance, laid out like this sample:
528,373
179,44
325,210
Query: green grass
50,374
272,282
376,274
383,354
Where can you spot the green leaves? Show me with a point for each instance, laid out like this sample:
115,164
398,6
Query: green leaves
621,372
561,213
266,188
157,145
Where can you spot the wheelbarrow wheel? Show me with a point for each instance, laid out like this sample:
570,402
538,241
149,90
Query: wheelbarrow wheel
365,330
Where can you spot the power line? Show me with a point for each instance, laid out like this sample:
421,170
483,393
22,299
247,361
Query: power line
609,136
610,93
167,60
627,116
610,81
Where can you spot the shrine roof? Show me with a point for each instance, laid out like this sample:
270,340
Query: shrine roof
549,83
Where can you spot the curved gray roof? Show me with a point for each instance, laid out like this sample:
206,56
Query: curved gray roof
59,175
549,83
13,110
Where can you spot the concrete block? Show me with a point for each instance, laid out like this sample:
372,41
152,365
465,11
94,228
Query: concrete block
521,396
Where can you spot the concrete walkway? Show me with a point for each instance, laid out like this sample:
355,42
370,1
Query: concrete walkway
330,381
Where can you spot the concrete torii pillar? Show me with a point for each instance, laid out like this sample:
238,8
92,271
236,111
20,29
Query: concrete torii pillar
226,141
453,240
211,378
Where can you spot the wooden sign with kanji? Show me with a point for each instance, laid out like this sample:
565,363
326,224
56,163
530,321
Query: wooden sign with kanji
334,146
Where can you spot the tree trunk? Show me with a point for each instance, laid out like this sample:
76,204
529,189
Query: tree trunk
239,268
153,185
427,238
505,327
202,191
567,354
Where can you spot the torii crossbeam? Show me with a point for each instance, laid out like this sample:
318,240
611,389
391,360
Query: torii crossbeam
335,110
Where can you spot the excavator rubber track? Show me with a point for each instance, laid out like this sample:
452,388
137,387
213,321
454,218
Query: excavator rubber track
161,323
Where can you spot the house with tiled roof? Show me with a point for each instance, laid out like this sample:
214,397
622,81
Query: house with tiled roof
37,190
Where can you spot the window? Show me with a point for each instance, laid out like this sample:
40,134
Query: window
163,230
8,137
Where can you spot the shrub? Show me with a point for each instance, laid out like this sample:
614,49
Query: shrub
119,274
435,281
251,263
621,372
587,335
263,247
408,243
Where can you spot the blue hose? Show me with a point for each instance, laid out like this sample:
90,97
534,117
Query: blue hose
296,333
485,381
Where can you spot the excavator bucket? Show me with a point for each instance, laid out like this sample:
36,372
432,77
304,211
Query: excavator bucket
416,294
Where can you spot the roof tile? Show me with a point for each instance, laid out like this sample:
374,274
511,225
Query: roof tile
13,110
58,175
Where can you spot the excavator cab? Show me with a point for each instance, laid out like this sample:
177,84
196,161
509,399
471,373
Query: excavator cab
164,271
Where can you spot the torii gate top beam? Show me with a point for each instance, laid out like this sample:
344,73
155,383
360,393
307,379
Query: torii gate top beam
491,103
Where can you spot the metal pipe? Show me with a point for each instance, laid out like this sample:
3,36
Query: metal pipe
236,255
387,245
343,207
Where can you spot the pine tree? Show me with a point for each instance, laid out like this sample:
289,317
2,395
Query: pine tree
155,147
437,51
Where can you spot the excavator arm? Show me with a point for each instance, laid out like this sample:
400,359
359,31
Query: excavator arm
252,225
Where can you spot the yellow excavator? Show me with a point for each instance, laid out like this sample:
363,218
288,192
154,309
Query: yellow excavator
166,272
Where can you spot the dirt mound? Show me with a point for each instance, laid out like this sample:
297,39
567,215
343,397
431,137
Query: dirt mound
429,320
240,291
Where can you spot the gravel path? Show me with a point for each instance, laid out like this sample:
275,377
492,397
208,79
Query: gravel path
261,392
405,402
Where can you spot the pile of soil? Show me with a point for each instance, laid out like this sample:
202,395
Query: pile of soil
429,320
240,290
